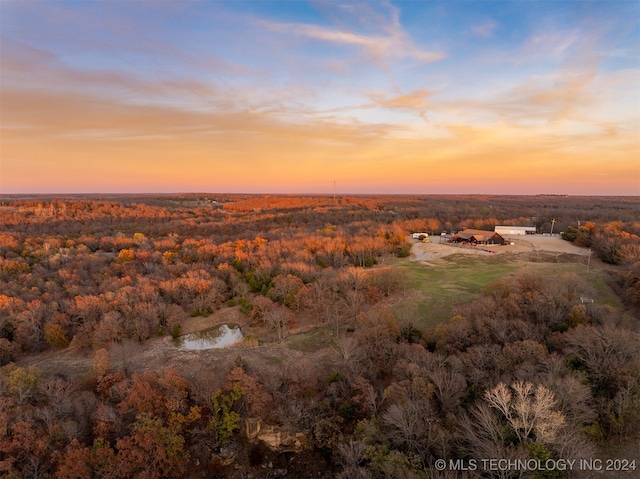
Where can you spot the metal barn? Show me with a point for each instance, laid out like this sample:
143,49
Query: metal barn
515,230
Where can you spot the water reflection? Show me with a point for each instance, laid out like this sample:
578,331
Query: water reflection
211,338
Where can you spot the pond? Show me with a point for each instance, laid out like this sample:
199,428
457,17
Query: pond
217,337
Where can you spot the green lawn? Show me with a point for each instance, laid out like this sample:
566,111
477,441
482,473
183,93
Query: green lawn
443,284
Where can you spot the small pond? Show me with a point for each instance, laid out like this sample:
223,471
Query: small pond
211,338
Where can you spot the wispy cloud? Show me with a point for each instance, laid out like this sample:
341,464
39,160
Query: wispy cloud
381,48
486,29
551,43
416,100
379,33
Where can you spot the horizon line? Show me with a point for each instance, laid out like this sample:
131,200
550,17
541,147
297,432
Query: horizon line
329,194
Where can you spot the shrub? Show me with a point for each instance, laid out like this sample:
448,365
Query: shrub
175,331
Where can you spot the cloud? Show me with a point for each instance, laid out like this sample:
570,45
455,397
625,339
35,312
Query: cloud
21,58
550,44
24,67
384,38
76,115
416,100
486,29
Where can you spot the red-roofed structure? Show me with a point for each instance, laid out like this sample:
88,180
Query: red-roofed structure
477,237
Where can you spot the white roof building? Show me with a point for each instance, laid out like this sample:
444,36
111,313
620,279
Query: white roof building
515,230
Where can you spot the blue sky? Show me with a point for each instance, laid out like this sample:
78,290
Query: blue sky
388,97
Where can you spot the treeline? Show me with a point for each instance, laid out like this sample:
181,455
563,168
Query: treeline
525,372
452,212
615,243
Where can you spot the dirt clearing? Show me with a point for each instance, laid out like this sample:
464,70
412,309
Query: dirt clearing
521,244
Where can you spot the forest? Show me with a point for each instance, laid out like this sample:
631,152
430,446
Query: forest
345,379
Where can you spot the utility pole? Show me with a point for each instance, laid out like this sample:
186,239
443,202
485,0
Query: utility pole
553,222
334,191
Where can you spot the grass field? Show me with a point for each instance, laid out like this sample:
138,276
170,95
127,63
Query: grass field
311,341
436,288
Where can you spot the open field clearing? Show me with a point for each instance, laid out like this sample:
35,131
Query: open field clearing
444,275
437,287
457,279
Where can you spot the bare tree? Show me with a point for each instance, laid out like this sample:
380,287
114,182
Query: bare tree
353,303
573,397
345,354
486,435
450,386
412,424
279,317
528,410
351,455
610,353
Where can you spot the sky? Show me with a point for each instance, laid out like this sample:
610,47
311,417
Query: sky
420,97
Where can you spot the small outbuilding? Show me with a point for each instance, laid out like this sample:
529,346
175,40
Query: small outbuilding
515,230
477,237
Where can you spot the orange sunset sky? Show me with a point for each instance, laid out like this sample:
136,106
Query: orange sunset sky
499,97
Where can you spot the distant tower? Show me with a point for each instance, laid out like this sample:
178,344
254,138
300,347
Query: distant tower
334,191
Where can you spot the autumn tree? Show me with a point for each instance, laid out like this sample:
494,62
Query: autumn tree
152,451
224,421
22,383
255,399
